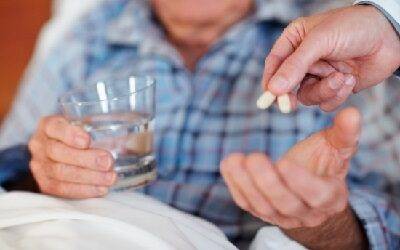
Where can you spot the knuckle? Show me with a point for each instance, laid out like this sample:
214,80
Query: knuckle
33,144
51,121
297,28
299,21
295,23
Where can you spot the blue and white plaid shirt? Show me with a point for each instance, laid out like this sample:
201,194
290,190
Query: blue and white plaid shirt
202,116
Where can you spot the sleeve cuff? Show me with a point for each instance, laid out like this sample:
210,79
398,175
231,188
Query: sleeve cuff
390,8
14,164
370,220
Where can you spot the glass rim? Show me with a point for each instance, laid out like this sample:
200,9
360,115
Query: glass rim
150,81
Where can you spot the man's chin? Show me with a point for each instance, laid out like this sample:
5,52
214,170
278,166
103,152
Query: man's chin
194,38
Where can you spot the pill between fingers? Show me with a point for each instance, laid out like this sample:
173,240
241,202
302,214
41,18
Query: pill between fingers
284,104
265,100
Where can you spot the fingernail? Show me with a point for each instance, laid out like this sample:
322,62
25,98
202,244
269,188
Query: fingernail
104,162
278,84
80,141
284,104
350,80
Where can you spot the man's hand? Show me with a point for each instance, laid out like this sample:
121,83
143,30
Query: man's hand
306,186
62,163
333,54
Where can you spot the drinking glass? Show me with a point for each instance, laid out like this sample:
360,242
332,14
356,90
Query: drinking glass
119,116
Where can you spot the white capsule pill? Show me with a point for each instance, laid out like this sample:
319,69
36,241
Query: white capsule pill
284,104
265,100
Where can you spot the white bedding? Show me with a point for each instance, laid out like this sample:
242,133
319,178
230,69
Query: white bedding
119,221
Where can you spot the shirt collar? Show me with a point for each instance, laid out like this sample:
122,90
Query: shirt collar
280,10
136,26
132,24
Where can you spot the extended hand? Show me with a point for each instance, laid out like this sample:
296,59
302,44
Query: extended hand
307,185
333,54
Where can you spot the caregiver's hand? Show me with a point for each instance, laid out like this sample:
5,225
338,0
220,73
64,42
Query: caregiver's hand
64,165
333,54
306,186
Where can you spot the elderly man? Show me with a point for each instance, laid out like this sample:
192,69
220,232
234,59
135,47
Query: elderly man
208,59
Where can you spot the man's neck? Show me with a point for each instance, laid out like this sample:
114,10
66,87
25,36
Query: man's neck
190,53
194,40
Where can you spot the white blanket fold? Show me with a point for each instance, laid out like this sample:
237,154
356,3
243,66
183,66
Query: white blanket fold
119,221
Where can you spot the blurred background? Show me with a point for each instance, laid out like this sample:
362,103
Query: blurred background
20,22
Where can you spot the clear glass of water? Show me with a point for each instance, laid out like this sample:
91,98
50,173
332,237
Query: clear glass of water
119,116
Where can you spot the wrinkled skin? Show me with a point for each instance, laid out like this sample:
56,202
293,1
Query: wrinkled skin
306,186
333,54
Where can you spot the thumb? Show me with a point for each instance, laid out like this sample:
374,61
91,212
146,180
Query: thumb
294,68
345,132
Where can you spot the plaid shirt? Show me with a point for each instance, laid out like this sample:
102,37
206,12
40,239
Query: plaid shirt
204,115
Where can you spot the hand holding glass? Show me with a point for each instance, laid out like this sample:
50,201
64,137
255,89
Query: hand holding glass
119,116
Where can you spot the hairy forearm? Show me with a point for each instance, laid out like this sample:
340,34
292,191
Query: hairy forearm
342,231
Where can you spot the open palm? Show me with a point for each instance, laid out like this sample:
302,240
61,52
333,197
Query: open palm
306,186
327,153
